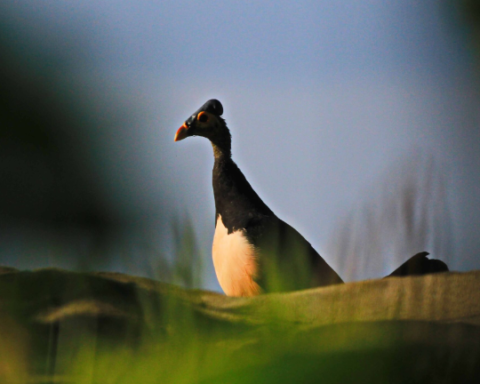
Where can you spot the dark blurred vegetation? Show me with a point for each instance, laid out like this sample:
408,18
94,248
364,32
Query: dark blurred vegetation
470,12
57,203
49,184
465,14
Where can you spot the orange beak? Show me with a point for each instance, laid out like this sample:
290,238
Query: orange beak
181,133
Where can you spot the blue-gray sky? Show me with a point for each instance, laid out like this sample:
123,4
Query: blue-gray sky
323,100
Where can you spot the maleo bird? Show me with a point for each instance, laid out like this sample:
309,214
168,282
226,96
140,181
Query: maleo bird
253,250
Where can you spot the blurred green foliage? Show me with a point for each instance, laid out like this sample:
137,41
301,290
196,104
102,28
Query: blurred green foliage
66,327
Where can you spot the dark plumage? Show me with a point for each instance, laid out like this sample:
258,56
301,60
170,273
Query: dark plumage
253,250
419,264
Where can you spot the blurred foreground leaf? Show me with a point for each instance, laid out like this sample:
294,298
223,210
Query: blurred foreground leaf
113,328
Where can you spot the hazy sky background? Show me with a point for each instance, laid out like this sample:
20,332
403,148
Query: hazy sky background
323,100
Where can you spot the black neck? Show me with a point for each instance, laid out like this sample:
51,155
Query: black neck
219,153
222,146
235,199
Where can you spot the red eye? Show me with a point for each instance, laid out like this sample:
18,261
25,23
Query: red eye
202,117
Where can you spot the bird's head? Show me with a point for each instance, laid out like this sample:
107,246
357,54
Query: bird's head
207,122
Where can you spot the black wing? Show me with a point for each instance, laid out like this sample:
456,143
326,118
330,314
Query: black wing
287,261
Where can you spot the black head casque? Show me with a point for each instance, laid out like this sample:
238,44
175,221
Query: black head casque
188,128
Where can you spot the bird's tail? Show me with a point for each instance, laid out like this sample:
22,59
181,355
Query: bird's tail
419,265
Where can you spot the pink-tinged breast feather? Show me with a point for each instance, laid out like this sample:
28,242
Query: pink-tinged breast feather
235,262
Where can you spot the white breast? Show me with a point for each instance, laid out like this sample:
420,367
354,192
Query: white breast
235,262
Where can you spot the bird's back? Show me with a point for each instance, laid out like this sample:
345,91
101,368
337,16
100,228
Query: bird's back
253,247
287,261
